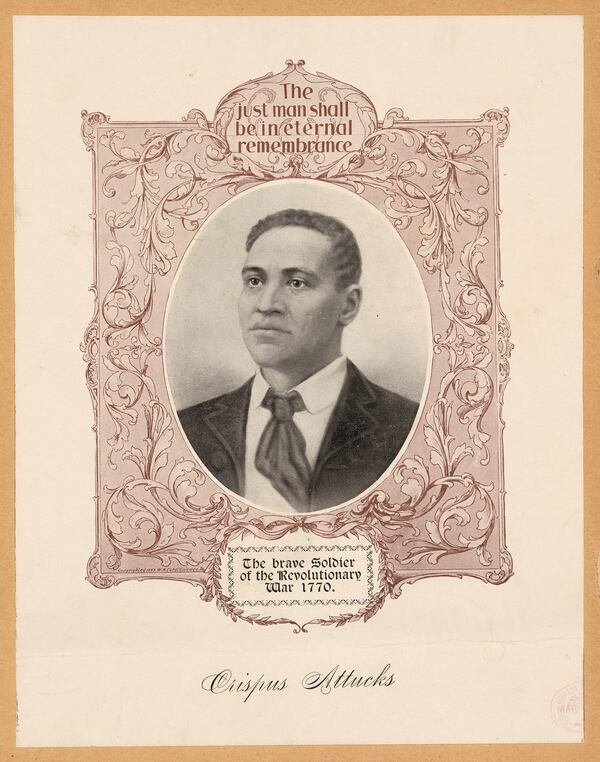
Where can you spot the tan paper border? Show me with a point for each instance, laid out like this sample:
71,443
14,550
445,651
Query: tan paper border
590,748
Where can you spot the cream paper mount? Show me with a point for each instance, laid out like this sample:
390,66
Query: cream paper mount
160,513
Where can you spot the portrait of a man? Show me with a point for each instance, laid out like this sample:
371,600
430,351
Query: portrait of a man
309,430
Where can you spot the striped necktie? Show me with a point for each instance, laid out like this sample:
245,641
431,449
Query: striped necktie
281,451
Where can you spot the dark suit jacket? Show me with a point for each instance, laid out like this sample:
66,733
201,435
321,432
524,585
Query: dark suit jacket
366,430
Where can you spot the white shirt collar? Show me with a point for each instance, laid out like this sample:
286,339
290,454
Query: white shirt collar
318,391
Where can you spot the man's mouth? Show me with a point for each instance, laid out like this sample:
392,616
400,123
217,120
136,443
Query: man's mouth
269,328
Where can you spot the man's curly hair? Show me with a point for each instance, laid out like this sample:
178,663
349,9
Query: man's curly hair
344,248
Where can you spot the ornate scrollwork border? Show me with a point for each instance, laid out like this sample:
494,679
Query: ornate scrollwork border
442,509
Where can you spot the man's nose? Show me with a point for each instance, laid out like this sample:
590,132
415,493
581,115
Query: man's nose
271,299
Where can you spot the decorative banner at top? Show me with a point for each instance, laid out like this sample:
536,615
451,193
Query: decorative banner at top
294,118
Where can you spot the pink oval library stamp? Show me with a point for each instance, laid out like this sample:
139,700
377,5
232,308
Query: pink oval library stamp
567,707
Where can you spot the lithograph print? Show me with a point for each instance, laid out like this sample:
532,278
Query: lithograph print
297,357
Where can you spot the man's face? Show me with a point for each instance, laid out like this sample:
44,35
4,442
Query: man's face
291,312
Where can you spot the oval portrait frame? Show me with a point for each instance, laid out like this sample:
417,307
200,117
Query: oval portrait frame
395,303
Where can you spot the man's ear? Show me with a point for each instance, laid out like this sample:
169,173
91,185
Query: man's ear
353,298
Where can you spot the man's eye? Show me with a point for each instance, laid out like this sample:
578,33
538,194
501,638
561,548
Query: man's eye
253,281
297,283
